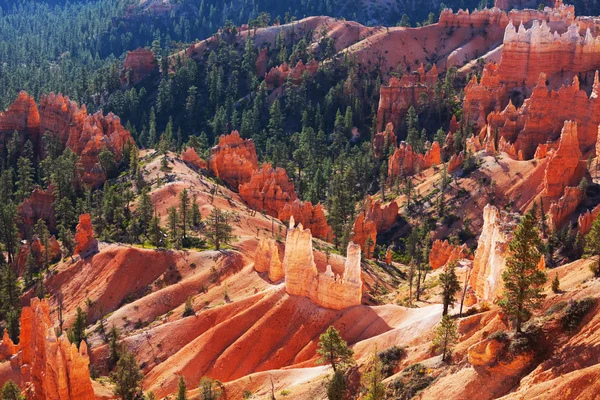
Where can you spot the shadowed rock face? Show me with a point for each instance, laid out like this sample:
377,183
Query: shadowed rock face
141,62
49,367
303,279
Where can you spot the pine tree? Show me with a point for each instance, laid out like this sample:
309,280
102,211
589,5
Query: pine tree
196,217
450,286
592,244
336,387
127,377
184,211
10,391
446,336
174,236
210,389
181,389
43,234
218,229
77,332
144,212
373,379
556,284
334,350
24,178
523,281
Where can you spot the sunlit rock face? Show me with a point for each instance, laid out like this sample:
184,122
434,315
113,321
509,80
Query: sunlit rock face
50,368
325,289
233,160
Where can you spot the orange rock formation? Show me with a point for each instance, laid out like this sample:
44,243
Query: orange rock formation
85,134
268,190
38,206
312,218
490,256
443,253
326,289
189,155
233,160
22,116
374,218
385,140
141,62
50,368
267,259
405,161
277,76
85,243
396,98
564,168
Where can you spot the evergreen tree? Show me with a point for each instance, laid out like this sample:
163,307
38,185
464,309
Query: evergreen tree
77,332
174,236
373,379
210,389
181,389
556,284
184,211
592,244
25,174
450,286
336,387
218,229
127,377
334,350
523,281
10,391
446,335
196,217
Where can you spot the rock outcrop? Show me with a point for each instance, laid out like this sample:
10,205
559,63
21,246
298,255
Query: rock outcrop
85,243
383,141
233,160
262,62
405,161
277,76
490,256
325,289
267,259
585,220
311,217
443,253
22,116
562,209
51,368
564,168
542,117
189,155
396,98
492,356
138,64
373,219
85,134
268,190
38,206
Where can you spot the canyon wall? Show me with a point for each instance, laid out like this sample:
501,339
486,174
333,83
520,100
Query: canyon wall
325,289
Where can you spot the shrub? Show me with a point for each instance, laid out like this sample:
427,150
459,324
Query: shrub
500,336
575,313
390,359
414,379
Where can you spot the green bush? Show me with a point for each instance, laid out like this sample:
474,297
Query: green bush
500,336
390,359
414,379
575,313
